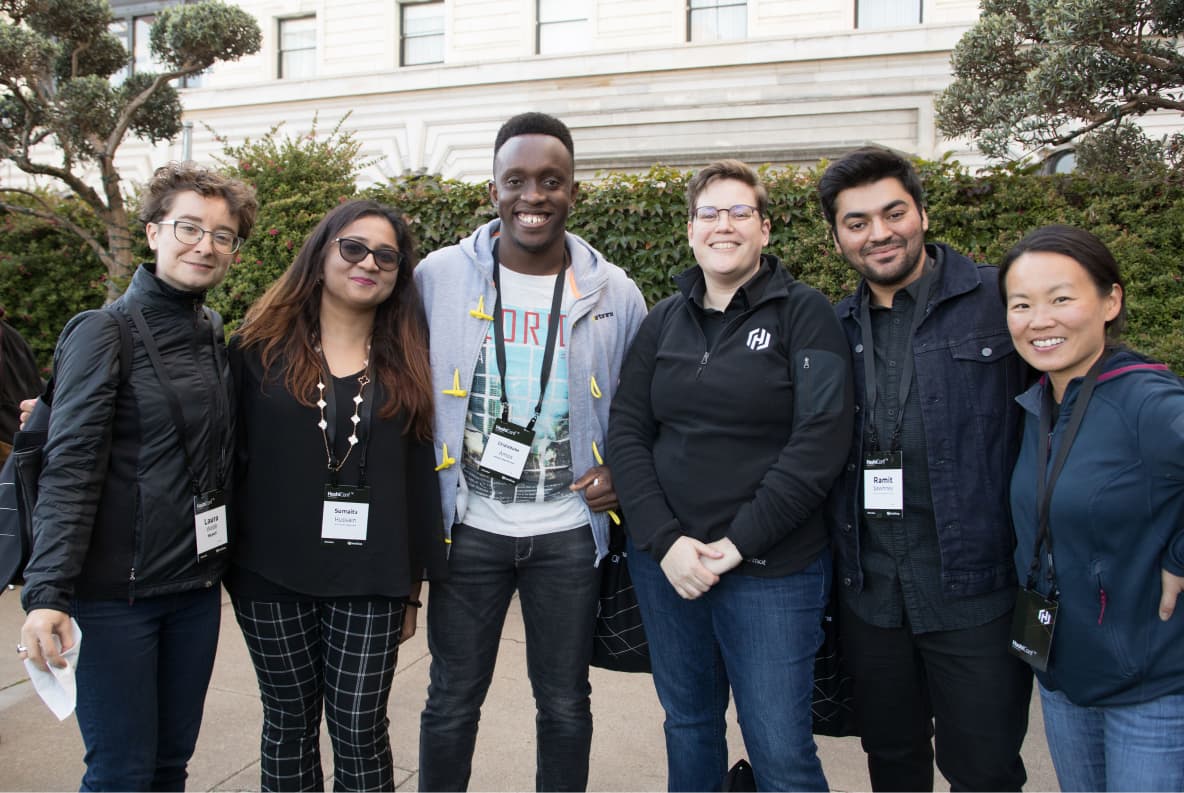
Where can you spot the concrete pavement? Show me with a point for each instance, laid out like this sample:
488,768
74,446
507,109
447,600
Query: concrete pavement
38,753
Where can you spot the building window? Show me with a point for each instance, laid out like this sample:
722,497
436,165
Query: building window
298,48
134,32
887,13
422,26
716,20
563,26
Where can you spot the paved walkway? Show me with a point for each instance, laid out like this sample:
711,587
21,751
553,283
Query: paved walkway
37,753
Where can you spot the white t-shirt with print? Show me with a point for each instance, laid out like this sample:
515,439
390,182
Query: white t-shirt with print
541,501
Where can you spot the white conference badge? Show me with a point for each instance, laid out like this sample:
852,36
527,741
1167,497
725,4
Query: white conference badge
883,485
210,524
346,514
506,451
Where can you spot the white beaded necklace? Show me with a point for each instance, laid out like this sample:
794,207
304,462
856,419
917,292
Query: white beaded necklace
359,398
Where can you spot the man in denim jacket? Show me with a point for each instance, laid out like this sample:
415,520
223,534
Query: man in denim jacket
919,516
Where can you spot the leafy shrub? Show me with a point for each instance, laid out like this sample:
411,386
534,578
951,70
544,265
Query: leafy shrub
47,274
297,180
639,222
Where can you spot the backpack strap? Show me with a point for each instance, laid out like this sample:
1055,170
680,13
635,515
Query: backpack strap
125,347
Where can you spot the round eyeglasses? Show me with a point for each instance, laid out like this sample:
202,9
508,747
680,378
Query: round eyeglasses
387,259
188,233
736,213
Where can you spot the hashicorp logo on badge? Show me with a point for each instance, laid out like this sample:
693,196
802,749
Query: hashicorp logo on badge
759,339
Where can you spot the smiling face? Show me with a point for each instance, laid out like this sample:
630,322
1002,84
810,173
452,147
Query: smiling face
362,286
728,251
880,230
533,189
1056,315
191,267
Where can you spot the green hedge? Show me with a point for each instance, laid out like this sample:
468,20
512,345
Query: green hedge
639,222
47,274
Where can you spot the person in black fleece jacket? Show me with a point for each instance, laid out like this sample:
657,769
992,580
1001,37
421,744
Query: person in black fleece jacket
730,423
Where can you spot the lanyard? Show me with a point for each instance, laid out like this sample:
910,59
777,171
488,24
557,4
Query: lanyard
361,428
906,367
219,399
499,337
1046,480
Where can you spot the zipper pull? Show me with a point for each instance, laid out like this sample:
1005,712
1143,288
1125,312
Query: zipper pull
1102,604
702,363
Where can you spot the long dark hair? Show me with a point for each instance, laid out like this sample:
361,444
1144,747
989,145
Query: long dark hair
285,322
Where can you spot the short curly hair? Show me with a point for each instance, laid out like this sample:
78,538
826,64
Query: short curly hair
179,177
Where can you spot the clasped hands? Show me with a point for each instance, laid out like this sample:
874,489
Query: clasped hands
693,567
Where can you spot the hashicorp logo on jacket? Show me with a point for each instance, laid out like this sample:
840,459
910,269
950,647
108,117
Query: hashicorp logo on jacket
759,339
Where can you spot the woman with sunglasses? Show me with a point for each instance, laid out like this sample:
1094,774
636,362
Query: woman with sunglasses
130,530
338,504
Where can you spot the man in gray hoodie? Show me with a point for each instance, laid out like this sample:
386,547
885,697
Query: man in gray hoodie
522,407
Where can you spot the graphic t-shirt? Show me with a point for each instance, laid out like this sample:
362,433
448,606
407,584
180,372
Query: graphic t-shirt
541,501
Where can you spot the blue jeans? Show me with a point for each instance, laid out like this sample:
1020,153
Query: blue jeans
1116,747
758,635
142,677
559,588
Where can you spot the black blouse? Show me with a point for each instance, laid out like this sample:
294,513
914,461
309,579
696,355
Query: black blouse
281,476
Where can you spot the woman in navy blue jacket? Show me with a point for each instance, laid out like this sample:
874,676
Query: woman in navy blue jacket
1101,544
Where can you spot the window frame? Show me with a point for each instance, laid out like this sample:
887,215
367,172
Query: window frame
404,37
920,17
280,52
128,12
540,25
718,4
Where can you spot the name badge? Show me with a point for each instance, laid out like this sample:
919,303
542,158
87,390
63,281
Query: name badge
210,525
883,485
346,515
506,451
1032,625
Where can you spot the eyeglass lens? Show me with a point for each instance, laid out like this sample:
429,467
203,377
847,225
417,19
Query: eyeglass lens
737,212
191,234
353,252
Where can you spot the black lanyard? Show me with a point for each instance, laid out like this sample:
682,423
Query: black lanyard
1046,480
499,337
362,429
218,398
906,366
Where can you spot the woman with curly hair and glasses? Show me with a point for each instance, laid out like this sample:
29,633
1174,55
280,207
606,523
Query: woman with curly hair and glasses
130,529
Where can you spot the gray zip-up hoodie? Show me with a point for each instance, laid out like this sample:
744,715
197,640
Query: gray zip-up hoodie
458,295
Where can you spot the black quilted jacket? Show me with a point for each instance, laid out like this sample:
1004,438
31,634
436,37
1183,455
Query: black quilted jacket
114,517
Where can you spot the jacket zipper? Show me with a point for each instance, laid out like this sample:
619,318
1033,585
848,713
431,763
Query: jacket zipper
702,363
131,587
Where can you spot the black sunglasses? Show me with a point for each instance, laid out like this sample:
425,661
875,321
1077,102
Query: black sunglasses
352,251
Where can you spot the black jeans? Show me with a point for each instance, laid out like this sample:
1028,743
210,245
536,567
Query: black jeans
559,589
960,689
